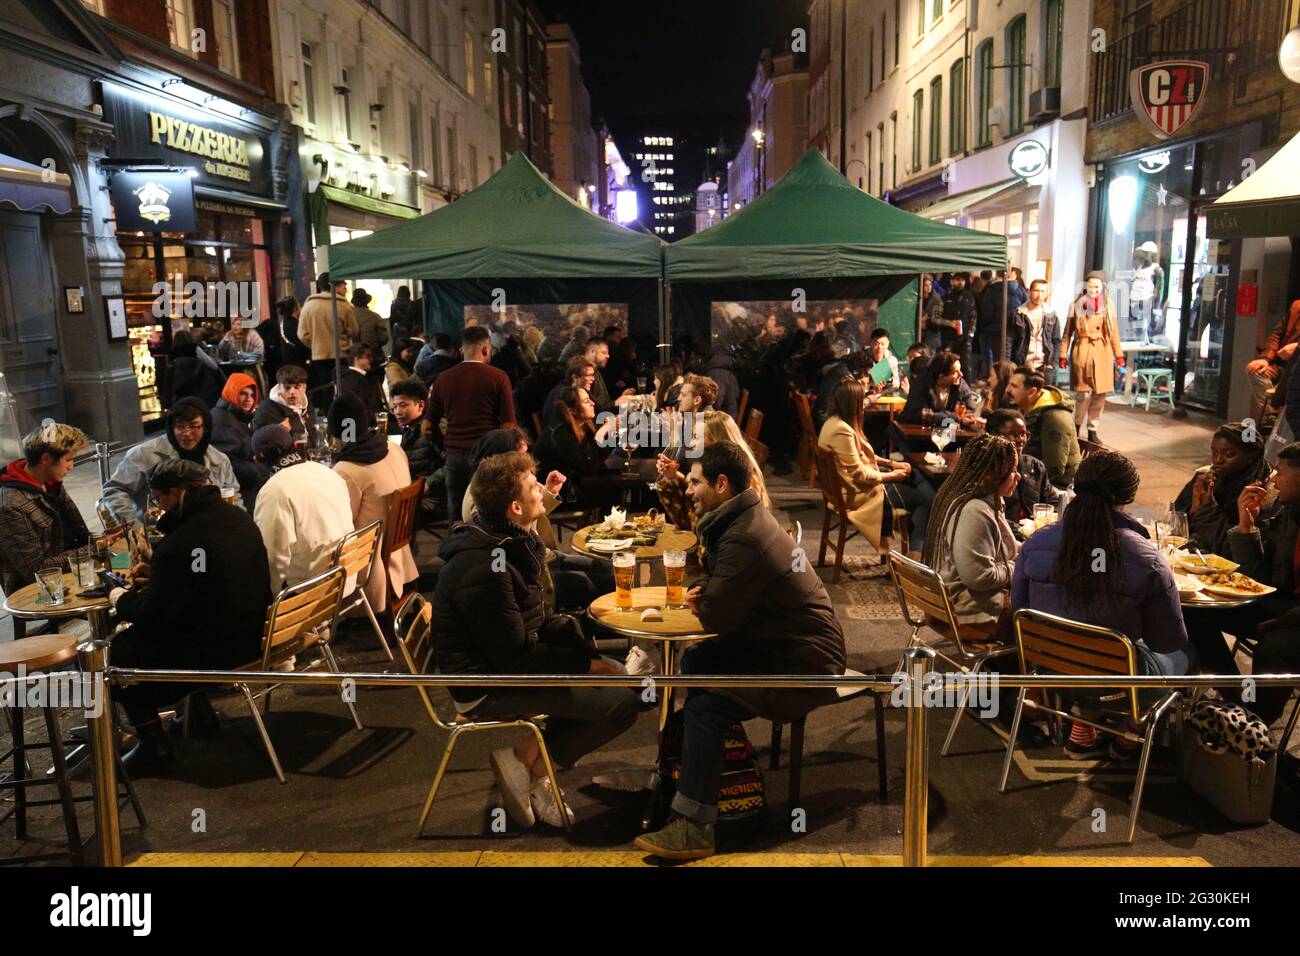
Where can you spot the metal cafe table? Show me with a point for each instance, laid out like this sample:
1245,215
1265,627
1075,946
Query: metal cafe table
678,627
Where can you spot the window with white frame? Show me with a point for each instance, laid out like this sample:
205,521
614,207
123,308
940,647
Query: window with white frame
417,135
308,60
223,20
345,104
180,24
435,151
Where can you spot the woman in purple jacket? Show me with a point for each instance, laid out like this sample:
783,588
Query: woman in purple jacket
1100,566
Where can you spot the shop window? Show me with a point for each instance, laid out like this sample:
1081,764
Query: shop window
223,18
936,119
957,108
983,92
1016,75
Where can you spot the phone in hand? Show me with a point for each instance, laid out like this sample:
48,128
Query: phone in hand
112,579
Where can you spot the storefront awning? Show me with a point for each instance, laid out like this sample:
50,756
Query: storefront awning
972,200
29,187
1266,203
239,199
324,195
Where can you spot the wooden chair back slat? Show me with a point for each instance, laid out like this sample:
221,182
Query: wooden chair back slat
1057,644
760,451
412,625
399,526
744,405
293,619
755,425
828,478
355,552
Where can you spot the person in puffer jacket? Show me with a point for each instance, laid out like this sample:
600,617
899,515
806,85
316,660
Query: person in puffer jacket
39,523
189,437
231,433
489,617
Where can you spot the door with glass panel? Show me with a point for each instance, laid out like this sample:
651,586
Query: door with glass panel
1209,309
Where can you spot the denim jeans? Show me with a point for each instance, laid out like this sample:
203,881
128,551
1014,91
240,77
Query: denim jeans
580,719
579,580
458,475
915,495
708,715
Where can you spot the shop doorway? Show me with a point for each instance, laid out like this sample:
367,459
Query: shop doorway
29,346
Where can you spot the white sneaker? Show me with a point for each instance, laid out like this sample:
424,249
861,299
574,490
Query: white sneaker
639,663
285,666
544,804
513,782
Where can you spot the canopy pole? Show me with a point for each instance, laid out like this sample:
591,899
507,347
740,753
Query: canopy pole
1002,336
920,305
665,342
334,307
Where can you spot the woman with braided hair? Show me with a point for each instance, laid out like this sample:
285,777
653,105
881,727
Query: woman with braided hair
1099,566
1210,498
969,541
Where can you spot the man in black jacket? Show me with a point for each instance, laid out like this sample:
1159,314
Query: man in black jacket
956,324
199,603
1035,488
362,380
489,617
772,615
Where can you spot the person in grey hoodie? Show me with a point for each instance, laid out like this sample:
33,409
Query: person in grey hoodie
969,541
188,436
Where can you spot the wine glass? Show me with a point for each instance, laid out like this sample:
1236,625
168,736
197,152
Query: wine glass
940,438
1176,530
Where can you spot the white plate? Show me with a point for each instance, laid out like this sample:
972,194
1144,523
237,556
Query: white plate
1184,561
608,546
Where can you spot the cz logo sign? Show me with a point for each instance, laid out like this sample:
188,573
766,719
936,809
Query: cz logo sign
1168,94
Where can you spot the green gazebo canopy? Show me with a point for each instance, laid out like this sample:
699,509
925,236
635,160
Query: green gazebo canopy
815,224
517,225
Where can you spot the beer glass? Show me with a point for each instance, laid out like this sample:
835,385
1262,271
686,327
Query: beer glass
624,575
675,578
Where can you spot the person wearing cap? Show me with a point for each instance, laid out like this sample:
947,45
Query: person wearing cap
373,468
232,433
302,511
372,330
189,438
199,603
1146,290
38,521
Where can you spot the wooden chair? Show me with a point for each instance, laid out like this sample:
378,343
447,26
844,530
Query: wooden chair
844,693
1086,448
413,625
760,451
807,455
924,588
301,618
742,408
1057,645
755,424
356,554
835,513
399,529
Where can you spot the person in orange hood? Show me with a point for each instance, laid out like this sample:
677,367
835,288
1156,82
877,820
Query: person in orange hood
232,433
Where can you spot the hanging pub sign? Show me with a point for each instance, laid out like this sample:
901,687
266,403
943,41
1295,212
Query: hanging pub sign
223,153
1167,95
146,201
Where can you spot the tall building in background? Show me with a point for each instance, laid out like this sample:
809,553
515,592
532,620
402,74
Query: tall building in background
777,134
525,101
667,206
573,140
397,107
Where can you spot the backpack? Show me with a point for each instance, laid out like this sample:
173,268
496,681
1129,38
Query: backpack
742,795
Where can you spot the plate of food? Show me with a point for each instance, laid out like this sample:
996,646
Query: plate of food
1236,585
609,545
1189,585
1204,564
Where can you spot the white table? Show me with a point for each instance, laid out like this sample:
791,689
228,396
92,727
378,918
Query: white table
1131,349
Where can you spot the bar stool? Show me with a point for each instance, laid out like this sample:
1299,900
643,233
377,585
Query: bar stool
45,654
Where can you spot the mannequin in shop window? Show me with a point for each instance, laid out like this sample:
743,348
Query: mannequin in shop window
1147,292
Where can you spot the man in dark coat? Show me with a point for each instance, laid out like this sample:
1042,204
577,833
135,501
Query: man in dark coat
1034,488
203,600
956,324
721,368
435,358
489,617
362,380
772,615
232,435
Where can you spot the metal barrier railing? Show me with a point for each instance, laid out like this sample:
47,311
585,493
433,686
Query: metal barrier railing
918,664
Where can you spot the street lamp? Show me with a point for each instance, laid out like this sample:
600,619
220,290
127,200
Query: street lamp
759,137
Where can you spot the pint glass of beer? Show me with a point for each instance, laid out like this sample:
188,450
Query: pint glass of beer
624,574
675,578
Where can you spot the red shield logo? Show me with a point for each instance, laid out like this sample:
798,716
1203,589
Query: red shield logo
1166,95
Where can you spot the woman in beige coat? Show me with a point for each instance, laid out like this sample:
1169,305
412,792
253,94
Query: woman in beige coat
1091,341
871,483
373,468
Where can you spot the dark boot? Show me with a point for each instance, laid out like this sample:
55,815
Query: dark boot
1092,436
153,750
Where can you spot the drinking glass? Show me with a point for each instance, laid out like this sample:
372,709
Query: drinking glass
50,581
624,572
381,422
1044,515
960,410
675,579
83,563
1176,530
641,382
940,438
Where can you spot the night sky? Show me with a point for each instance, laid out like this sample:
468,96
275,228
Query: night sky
680,65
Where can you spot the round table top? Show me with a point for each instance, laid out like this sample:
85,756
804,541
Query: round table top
37,653
25,602
670,540
677,625
1202,599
